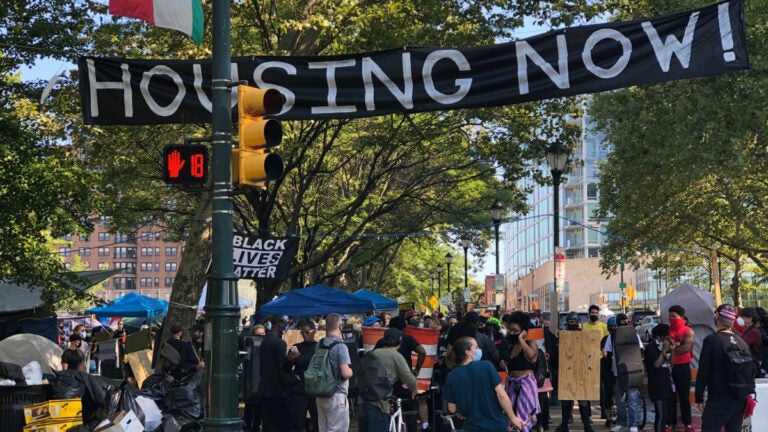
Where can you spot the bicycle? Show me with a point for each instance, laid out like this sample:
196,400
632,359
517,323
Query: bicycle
396,423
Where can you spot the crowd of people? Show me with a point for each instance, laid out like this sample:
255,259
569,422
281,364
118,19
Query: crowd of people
473,350
488,374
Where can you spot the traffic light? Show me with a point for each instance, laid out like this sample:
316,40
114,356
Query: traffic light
185,164
252,164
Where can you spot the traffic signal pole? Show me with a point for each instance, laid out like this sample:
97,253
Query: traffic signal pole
221,311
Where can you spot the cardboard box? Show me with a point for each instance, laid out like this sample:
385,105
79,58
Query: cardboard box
53,409
121,422
58,425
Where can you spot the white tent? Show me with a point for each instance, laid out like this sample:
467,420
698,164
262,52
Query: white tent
699,308
21,349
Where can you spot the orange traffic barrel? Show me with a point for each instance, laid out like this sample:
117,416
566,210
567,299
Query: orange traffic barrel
428,339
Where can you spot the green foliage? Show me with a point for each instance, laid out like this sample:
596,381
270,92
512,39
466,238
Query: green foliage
688,168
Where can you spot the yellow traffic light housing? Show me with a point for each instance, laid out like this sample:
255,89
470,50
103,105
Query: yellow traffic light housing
252,164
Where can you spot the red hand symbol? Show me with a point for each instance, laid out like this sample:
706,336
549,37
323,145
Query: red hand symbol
175,163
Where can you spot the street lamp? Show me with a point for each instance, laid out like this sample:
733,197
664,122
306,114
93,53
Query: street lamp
465,243
448,261
496,210
557,157
439,282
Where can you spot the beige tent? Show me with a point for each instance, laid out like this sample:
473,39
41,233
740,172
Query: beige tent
22,348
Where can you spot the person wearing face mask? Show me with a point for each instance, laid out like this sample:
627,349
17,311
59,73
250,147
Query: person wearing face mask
594,323
573,323
747,320
657,360
682,338
273,391
85,347
474,391
72,358
521,361
626,394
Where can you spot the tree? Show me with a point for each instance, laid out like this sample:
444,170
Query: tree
688,165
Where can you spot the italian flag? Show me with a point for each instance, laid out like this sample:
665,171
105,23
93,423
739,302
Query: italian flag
185,16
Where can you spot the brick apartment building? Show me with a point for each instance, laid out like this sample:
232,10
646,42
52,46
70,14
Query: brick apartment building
149,260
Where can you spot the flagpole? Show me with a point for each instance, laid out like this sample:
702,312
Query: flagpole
221,311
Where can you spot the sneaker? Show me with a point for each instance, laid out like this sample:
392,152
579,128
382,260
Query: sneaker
633,429
617,428
669,428
562,428
588,428
689,428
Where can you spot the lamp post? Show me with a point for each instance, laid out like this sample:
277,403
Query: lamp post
557,157
465,243
496,210
448,261
439,283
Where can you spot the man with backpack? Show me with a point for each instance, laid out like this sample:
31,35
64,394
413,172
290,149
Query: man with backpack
379,371
327,378
726,373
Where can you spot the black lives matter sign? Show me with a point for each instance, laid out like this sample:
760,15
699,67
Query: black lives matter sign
263,257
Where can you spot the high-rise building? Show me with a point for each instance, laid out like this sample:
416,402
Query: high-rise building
149,259
528,241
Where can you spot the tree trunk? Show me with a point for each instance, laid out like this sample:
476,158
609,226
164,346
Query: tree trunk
736,280
192,273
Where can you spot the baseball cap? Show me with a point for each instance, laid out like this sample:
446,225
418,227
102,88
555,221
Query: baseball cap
393,335
410,314
370,321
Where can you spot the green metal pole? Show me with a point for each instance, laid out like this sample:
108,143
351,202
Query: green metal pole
221,311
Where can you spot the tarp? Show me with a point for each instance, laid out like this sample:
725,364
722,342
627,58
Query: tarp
378,300
316,300
131,305
242,302
699,309
15,297
21,349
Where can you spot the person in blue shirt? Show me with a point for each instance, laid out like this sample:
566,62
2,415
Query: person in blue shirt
474,390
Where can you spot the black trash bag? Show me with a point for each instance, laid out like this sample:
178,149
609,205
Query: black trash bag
155,387
67,385
185,401
127,401
12,371
170,424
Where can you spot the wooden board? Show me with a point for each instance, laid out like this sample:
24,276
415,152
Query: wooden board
141,364
579,370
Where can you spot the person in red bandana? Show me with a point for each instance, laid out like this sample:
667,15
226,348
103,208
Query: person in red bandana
682,338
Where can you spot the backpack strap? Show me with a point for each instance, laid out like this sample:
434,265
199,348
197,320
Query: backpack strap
329,347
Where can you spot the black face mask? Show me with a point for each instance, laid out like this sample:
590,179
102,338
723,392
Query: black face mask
594,318
572,327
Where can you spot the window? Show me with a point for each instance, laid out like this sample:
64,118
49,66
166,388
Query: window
87,265
84,237
103,220
157,251
125,253
84,251
146,266
592,191
67,266
170,266
65,251
145,282
103,266
103,251
170,251
169,281
145,251
125,283
146,236
67,237
157,266
157,282
130,267
103,236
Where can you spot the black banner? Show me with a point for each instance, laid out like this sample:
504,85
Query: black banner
263,257
586,59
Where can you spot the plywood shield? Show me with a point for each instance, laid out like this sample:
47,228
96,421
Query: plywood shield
579,371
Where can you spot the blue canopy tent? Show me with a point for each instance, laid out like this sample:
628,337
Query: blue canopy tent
316,300
378,300
131,305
